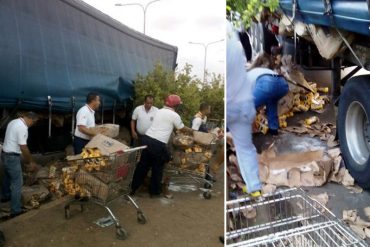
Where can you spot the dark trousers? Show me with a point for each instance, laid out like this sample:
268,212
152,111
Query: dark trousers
154,157
12,181
79,144
137,142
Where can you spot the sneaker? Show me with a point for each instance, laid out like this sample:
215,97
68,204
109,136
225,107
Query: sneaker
255,194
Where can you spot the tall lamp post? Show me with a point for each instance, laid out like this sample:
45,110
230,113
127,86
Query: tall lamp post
143,7
205,46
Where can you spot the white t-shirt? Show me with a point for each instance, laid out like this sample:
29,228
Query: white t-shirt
197,122
16,134
164,122
86,117
143,118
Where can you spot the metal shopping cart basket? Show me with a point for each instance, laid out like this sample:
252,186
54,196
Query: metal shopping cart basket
196,173
101,181
286,218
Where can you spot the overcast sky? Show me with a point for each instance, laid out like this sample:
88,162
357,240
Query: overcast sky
178,22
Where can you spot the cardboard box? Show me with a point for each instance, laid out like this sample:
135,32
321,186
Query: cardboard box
110,130
204,138
106,145
38,192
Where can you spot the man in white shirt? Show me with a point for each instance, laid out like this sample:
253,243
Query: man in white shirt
142,118
200,119
156,139
85,121
15,145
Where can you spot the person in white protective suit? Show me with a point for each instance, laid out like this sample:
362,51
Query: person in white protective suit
241,112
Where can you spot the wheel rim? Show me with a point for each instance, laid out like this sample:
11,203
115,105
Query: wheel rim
357,133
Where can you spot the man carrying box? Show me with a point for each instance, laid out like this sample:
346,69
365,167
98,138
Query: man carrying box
85,122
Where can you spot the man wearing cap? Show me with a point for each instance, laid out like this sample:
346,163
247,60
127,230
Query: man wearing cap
142,118
15,145
85,121
156,138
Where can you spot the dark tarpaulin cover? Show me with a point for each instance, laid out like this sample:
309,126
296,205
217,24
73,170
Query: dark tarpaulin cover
65,48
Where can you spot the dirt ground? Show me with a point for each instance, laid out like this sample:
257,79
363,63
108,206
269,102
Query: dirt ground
186,220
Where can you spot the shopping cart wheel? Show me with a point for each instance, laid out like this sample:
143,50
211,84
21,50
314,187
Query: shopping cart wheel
121,233
207,185
207,195
67,212
141,218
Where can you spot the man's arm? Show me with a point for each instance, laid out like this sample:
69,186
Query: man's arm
186,130
87,131
31,164
133,129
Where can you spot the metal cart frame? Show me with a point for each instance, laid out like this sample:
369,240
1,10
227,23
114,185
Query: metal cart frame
286,218
121,170
179,175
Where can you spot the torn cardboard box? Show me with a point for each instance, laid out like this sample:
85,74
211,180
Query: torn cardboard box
358,225
205,139
106,145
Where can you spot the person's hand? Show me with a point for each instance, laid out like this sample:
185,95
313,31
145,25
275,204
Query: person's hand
134,135
220,134
103,130
32,167
229,139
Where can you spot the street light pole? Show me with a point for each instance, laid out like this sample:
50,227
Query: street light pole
143,7
205,46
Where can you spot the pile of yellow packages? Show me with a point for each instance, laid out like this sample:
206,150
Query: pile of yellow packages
93,161
302,102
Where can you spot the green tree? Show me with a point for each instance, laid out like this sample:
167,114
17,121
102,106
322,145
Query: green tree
191,89
245,11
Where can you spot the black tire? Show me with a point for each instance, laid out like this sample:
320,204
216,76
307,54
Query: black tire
354,128
207,195
121,233
141,218
207,185
67,213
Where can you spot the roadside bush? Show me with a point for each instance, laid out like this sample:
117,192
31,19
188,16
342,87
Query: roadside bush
192,91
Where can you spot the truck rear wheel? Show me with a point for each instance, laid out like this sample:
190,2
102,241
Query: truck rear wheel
354,128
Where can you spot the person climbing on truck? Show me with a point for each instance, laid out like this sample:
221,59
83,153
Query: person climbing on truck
241,113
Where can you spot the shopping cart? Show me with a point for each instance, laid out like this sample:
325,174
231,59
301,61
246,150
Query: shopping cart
202,178
285,218
108,183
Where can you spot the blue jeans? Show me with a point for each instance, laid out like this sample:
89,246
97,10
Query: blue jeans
268,90
12,182
240,117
